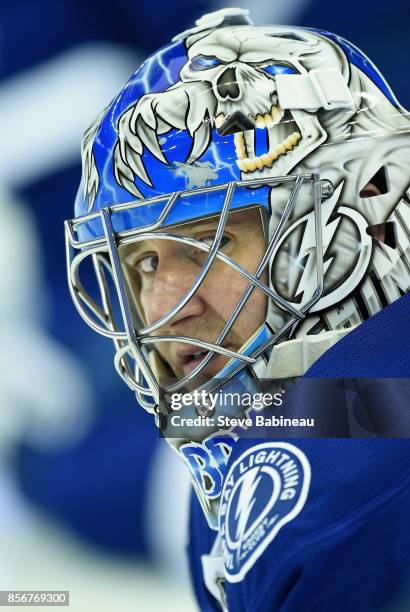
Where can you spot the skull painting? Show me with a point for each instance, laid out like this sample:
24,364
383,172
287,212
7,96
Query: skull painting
229,83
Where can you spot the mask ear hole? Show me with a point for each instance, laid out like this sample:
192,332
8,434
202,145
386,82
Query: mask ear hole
383,232
377,185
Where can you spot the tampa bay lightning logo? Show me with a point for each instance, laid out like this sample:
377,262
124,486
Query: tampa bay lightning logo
265,488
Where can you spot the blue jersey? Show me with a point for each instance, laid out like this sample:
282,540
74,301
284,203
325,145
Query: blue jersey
316,524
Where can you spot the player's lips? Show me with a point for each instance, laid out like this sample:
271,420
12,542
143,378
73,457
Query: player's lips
189,356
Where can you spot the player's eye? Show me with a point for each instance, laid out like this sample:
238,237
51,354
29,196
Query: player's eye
201,62
148,264
208,240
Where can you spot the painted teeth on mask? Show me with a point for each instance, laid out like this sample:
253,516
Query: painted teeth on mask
266,160
240,147
268,120
219,119
244,144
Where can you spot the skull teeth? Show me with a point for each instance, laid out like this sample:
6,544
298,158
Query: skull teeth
267,120
246,164
240,147
270,119
244,141
219,119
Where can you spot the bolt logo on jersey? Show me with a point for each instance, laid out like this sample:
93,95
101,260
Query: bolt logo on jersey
265,488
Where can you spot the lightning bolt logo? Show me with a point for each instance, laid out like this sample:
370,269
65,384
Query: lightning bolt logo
246,501
307,253
260,497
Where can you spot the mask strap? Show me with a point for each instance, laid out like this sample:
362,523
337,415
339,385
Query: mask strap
319,88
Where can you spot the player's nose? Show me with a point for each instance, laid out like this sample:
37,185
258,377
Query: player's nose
174,277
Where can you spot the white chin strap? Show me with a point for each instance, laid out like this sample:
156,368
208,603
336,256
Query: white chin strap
293,358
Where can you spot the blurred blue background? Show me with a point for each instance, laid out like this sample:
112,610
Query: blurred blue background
85,483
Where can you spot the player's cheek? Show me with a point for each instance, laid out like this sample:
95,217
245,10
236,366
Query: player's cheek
252,315
145,299
224,289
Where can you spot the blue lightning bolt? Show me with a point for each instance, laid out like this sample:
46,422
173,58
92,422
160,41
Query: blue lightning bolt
220,163
165,68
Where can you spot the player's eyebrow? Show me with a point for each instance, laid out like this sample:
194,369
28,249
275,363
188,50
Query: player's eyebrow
236,218
130,252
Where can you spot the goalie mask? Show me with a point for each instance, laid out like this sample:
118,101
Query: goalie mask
244,201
